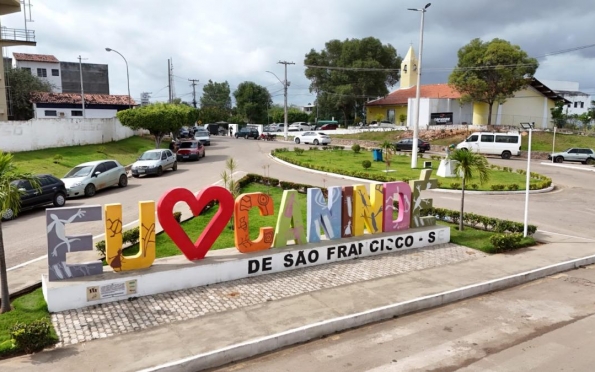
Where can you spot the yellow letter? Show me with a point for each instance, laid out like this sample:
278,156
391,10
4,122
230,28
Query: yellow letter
367,209
113,238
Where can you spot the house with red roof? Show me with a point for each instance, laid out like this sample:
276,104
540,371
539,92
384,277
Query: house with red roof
44,66
69,105
441,105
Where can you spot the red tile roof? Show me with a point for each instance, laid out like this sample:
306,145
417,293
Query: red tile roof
75,98
400,96
35,57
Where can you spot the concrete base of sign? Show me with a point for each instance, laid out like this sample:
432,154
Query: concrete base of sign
446,168
176,273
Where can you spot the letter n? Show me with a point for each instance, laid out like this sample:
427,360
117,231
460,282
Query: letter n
367,209
324,215
290,225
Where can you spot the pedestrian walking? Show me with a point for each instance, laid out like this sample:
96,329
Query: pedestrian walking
230,131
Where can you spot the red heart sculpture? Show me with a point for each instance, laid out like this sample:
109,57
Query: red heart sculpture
165,207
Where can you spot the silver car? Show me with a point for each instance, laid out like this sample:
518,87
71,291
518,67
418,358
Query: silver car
203,137
86,178
585,156
154,162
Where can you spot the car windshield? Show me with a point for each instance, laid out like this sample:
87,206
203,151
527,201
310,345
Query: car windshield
150,155
568,149
80,171
201,133
188,145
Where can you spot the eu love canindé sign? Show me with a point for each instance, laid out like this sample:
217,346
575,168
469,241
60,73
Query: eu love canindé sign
348,211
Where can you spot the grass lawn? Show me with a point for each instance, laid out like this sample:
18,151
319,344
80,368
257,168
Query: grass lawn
195,226
346,160
477,238
541,141
43,161
27,309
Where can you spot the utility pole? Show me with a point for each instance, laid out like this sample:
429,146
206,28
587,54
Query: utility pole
194,81
169,79
82,90
285,86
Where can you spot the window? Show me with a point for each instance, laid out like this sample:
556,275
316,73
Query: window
487,138
76,113
25,185
582,105
585,151
45,181
163,156
109,165
573,151
50,113
100,168
27,69
473,138
507,139
55,72
42,72
169,153
390,115
575,104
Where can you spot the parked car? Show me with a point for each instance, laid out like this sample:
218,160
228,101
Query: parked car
203,136
184,133
407,144
313,138
154,162
247,132
503,144
270,128
86,178
281,127
299,126
328,127
190,150
585,156
51,191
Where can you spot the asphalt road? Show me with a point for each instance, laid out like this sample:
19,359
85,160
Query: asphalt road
525,328
565,211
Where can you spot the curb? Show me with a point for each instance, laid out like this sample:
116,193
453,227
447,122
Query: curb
294,336
336,175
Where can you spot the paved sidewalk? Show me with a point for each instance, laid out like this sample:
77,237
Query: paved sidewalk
205,334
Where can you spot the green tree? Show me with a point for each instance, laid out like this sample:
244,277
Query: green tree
468,165
558,116
213,114
160,119
216,95
360,69
491,72
20,84
252,101
10,199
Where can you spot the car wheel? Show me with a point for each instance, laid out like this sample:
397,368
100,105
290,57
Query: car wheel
8,215
559,159
421,151
316,142
175,166
506,155
90,190
297,141
590,161
59,199
159,171
123,181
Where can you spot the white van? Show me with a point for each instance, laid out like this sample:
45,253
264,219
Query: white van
490,143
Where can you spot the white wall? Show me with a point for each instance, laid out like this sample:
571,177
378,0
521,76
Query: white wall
89,113
461,113
578,100
56,81
35,134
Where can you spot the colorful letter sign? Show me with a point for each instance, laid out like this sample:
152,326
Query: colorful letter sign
347,211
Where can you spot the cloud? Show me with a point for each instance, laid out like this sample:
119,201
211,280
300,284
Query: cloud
238,40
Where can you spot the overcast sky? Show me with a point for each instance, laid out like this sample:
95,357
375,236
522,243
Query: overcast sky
238,40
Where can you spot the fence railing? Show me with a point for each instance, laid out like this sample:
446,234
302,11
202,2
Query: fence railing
17,34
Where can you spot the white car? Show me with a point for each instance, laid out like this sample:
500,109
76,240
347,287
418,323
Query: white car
86,178
315,138
203,136
299,126
154,162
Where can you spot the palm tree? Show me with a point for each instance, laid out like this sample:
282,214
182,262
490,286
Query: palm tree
10,198
467,165
388,147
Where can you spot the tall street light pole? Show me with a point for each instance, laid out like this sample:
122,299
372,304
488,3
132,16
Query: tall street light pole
82,90
285,85
418,86
127,75
529,127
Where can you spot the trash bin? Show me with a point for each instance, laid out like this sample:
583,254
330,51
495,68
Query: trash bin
377,154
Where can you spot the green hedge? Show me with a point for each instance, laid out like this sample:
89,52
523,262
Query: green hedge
477,221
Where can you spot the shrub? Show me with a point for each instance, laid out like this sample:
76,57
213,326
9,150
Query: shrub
32,337
455,185
178,216
474,186
506,242
366,164
298,150
100,246
57,158
513,187
131,236
313,148
356,148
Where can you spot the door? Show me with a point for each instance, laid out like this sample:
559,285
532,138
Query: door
30,197
171,157
486,144
407,144
113,172
308,137
573,155
101,176
48,188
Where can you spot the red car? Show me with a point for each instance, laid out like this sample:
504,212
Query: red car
190,150
328,127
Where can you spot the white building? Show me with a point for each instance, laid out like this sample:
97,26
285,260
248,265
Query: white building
46,67
68,105
308,109
579,101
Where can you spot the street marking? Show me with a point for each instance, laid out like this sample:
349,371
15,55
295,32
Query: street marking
567,166
568,236
96,237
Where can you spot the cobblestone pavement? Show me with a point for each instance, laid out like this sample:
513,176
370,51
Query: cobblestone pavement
106,320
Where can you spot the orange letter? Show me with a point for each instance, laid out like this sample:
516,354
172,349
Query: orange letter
243,204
